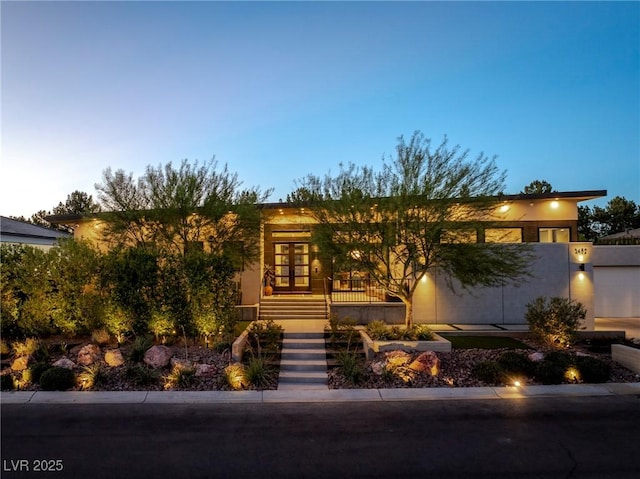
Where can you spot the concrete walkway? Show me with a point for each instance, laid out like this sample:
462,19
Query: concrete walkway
311,396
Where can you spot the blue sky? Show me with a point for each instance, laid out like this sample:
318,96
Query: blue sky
280,90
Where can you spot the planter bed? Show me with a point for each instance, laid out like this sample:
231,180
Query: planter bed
372,347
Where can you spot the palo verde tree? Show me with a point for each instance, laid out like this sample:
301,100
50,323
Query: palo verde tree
175,207
415,214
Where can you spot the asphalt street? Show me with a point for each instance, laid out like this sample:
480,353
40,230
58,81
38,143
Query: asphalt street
557,437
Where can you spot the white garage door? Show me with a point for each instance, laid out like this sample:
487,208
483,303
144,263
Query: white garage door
617,291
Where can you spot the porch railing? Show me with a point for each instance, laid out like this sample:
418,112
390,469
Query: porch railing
356,291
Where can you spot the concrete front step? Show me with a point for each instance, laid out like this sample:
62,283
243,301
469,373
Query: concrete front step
303,353
279,316
303,360
304,343
305,365
302,377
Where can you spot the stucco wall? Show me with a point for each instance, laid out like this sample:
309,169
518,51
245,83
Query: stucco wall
555,272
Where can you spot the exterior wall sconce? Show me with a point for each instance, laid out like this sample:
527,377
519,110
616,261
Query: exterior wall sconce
581,267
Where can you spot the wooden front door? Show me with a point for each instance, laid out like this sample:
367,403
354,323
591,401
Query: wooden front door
291,261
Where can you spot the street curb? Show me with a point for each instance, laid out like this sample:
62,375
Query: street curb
315,396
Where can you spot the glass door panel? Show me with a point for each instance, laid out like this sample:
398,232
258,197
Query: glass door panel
292,266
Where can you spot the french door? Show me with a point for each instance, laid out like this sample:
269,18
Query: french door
291,261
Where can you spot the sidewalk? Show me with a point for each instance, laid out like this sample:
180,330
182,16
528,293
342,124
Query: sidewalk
315,396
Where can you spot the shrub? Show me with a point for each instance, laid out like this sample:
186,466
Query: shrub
4,348
516,363
265,334
6,382
351,366
57,379
489,372
36,370
550,372
93,376
377,330
181,376
593,370
235,376
140,346
160,325
560,358
101,336
142,375
28,347
257,371
422,332
556,321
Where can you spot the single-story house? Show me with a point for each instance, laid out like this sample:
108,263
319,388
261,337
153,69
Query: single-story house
305,285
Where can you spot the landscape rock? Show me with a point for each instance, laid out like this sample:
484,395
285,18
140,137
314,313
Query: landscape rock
428,362
397,358
65,363
378,367
158,356
204,370
537,356
88,354
20,364
113,357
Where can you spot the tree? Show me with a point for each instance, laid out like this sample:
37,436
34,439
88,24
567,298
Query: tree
77,202
176,208
400,222
538,187
618,216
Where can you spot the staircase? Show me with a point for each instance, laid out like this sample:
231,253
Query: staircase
303,359
293,307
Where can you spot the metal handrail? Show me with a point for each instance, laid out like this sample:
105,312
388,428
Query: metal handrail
357,291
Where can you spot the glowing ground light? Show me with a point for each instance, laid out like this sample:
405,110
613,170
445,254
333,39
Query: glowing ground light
516,384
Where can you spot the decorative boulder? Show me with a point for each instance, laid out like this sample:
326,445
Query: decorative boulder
378,367
428,362
20,364
205,370
536,356
65,363
397,358
158,356
88,354
113,357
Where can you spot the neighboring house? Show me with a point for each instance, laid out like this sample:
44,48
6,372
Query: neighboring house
19,232
563,266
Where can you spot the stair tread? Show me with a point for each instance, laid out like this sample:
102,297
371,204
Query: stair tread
303,374
311,362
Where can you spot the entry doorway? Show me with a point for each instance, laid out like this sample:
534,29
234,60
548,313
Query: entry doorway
292,271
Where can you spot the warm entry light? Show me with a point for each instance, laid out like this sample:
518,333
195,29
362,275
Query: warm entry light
504,208
555,205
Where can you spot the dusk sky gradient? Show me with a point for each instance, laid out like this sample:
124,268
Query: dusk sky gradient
280,90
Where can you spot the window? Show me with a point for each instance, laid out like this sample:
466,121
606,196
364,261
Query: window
554,235
458,236
503,235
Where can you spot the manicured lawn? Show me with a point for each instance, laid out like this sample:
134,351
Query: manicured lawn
484,342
